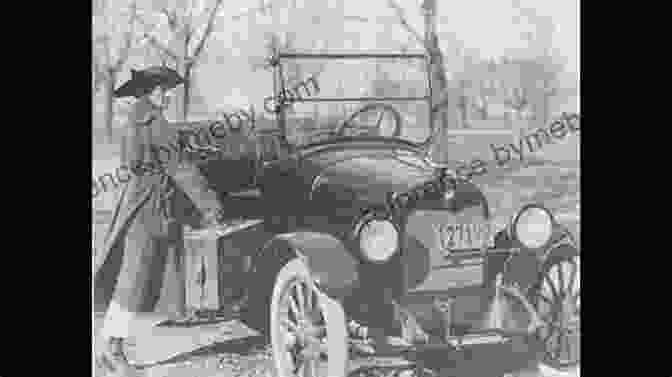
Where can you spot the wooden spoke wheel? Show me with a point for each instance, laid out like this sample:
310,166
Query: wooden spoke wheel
558,302
308,328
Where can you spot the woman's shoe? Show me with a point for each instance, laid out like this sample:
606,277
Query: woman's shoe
113,359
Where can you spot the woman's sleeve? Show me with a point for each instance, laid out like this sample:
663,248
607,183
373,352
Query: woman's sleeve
138,136
135,140
187,174
189,178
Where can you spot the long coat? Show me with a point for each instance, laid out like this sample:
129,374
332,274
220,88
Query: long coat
141,261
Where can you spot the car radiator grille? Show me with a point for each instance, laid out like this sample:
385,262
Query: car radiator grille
444,249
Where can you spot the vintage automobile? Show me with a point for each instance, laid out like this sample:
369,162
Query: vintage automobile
366,247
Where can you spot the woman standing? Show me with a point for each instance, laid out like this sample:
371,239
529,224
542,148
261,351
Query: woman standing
140,265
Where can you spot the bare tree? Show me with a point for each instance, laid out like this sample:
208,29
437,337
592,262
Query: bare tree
447,101
262,8
468,79
481,106
185,47
108,59
549,84
443,93
403,21
463,104
537,83
517,101
540,76
474,95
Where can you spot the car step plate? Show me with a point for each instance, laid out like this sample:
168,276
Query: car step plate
469,340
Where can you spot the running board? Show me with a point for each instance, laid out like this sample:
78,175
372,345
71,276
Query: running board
476,339
454,343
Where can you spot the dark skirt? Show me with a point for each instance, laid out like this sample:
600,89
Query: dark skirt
141,264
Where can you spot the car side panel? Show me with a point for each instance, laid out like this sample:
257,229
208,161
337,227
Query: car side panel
327,258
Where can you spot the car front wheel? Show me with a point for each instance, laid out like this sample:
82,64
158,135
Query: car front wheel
558,300
308,328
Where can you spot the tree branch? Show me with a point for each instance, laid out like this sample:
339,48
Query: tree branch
402,20
128,39
155,42
188,19
161,47
98,75
138,18
356,18
172,18
249,11
207,32
188,30
103,40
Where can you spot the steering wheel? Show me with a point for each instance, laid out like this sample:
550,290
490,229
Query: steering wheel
382,109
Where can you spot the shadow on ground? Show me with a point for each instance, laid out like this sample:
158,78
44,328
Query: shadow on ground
242,347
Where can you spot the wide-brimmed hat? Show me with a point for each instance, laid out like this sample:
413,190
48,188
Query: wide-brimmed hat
142,82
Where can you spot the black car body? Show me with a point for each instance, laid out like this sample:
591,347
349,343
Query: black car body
316,201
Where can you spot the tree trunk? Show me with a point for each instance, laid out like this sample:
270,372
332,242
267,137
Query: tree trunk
178,101
186,93
537,101
548,93
448,115
463,109
179,44
108,111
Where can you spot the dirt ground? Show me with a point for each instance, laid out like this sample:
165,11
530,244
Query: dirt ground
221,349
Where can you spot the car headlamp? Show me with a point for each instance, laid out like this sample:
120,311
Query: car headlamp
378,239
532,226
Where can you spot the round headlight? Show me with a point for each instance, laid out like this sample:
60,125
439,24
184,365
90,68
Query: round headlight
532,226
378,240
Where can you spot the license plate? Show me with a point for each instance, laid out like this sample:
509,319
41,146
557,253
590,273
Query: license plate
454,242
455,237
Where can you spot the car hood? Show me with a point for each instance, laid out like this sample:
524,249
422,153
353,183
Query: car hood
368,174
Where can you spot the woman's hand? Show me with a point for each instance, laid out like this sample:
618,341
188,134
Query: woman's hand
211,217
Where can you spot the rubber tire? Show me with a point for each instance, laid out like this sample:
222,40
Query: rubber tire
257,314
551,262
332,310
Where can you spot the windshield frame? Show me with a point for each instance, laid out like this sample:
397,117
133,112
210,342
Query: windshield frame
283,102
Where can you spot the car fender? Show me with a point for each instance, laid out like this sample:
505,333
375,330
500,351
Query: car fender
560,251
494,262
330,263
561,247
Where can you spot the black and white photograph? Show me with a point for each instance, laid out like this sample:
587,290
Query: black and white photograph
335,188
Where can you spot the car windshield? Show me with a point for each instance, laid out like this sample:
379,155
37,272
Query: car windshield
335,96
